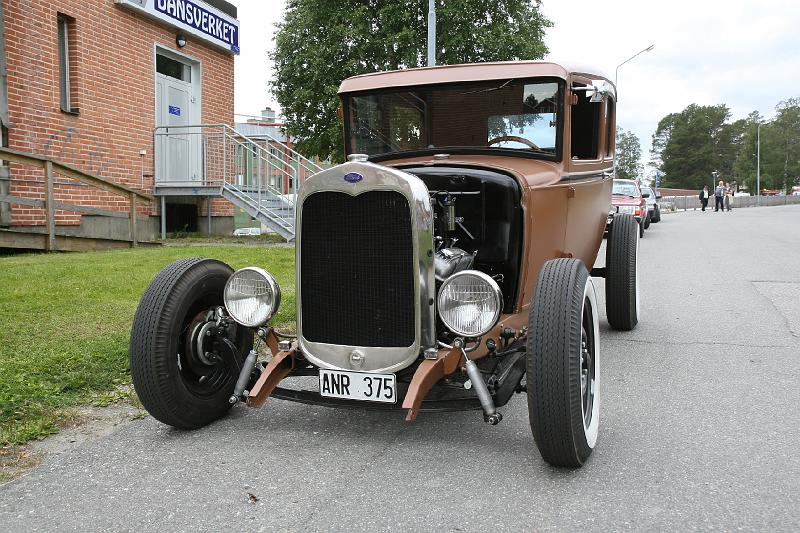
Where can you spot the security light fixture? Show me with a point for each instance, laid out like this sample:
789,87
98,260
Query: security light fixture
180,40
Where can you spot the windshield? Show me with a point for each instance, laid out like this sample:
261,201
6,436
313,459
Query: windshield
623,188
506,115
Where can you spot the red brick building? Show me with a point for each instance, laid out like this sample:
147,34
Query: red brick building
86,82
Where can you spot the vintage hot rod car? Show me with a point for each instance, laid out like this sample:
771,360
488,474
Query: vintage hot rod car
447,265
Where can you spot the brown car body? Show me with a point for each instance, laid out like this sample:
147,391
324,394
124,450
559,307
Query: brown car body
414,124
566,202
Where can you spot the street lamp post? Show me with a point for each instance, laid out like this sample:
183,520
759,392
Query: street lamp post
616,71
616,74
758,164
431,33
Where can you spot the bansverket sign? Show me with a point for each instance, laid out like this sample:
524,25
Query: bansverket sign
195,17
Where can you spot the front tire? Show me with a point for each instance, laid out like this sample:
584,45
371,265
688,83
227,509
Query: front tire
180,382
622,273
563,364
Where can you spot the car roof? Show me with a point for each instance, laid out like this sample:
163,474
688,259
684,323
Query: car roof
465,73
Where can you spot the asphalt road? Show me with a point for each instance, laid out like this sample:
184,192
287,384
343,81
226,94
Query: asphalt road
700,417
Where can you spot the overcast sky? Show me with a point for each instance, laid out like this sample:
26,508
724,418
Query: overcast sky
743,53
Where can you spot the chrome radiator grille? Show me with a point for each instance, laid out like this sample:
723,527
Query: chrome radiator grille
357,272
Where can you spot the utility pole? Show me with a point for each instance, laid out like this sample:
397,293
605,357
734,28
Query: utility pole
431,33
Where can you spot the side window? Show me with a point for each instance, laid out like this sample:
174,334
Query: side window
66,62
611,137
585,135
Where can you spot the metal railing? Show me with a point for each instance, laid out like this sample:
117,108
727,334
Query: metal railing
259,172
50,205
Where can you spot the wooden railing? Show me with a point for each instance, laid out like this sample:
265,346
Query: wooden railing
50,206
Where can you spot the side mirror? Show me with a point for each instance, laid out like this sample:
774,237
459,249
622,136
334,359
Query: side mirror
601,89
658,196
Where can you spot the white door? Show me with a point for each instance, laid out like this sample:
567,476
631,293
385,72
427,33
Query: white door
177,146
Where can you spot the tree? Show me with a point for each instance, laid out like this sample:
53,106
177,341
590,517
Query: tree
627,155
690,145
784,156
660,138
780,149
744,169
320,43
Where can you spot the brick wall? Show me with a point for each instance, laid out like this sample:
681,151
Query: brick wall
113,87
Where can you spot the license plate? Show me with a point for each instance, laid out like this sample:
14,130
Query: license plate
357,385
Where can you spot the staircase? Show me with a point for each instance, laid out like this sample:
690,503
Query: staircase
256,173
275,212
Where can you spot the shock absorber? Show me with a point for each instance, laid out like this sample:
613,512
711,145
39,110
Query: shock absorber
244,376
490,413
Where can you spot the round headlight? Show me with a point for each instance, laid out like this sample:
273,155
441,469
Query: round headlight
469,303
252,296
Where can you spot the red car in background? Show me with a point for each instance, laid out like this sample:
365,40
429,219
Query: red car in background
626,197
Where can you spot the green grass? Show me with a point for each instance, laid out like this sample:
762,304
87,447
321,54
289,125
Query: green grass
65,323
193,238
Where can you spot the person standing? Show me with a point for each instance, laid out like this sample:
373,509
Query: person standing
728,195
704,197
719,195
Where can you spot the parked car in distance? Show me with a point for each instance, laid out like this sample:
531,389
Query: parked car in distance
626,198
244,232
651,198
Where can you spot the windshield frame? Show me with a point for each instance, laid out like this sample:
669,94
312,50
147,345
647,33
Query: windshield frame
346,99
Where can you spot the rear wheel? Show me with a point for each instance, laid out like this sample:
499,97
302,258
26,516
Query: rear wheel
563,364
647,221
184,360
622,273
657,214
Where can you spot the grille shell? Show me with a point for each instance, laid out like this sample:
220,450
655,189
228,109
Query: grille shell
364,177
357,270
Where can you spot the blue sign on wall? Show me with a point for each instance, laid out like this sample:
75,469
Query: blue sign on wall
201,19
174,110
194,17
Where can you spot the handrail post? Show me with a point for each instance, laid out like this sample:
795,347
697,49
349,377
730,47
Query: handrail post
50,243
163,218
224,157
132,221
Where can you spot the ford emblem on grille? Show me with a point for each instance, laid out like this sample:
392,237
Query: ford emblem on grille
353,177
